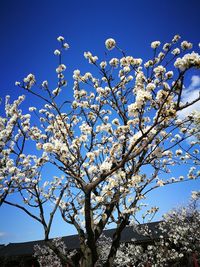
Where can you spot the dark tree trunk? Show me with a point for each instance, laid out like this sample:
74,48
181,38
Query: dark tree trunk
116,243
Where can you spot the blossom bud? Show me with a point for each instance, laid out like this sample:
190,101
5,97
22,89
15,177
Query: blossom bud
60,38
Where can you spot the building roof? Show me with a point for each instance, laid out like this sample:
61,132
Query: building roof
72,241
1,246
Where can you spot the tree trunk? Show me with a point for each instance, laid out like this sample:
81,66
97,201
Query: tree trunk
63,259
116,242
87,259
90,253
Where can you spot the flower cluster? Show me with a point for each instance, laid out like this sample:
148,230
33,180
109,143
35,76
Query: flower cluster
46,255
92,59
155,44
188,61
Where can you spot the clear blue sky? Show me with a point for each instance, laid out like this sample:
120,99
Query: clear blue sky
28,31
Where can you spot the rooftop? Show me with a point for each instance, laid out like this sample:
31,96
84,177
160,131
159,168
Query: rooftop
72,241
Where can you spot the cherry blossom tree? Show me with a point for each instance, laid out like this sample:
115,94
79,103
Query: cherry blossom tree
119,138
180,238
176,242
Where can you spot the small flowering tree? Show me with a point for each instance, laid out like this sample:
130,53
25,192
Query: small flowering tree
52,255
118,139
180,239
178,243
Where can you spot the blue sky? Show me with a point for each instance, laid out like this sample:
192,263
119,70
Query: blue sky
28,31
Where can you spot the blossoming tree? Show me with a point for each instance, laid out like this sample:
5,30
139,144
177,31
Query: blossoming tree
117,140
178,243
175,241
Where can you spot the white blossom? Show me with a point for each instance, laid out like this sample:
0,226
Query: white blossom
60,38
155,44
110,43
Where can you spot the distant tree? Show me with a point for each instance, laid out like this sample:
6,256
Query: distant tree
47,256
177,242
180,239
117,139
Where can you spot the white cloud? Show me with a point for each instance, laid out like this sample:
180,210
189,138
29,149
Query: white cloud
195,81
190,94
2,234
